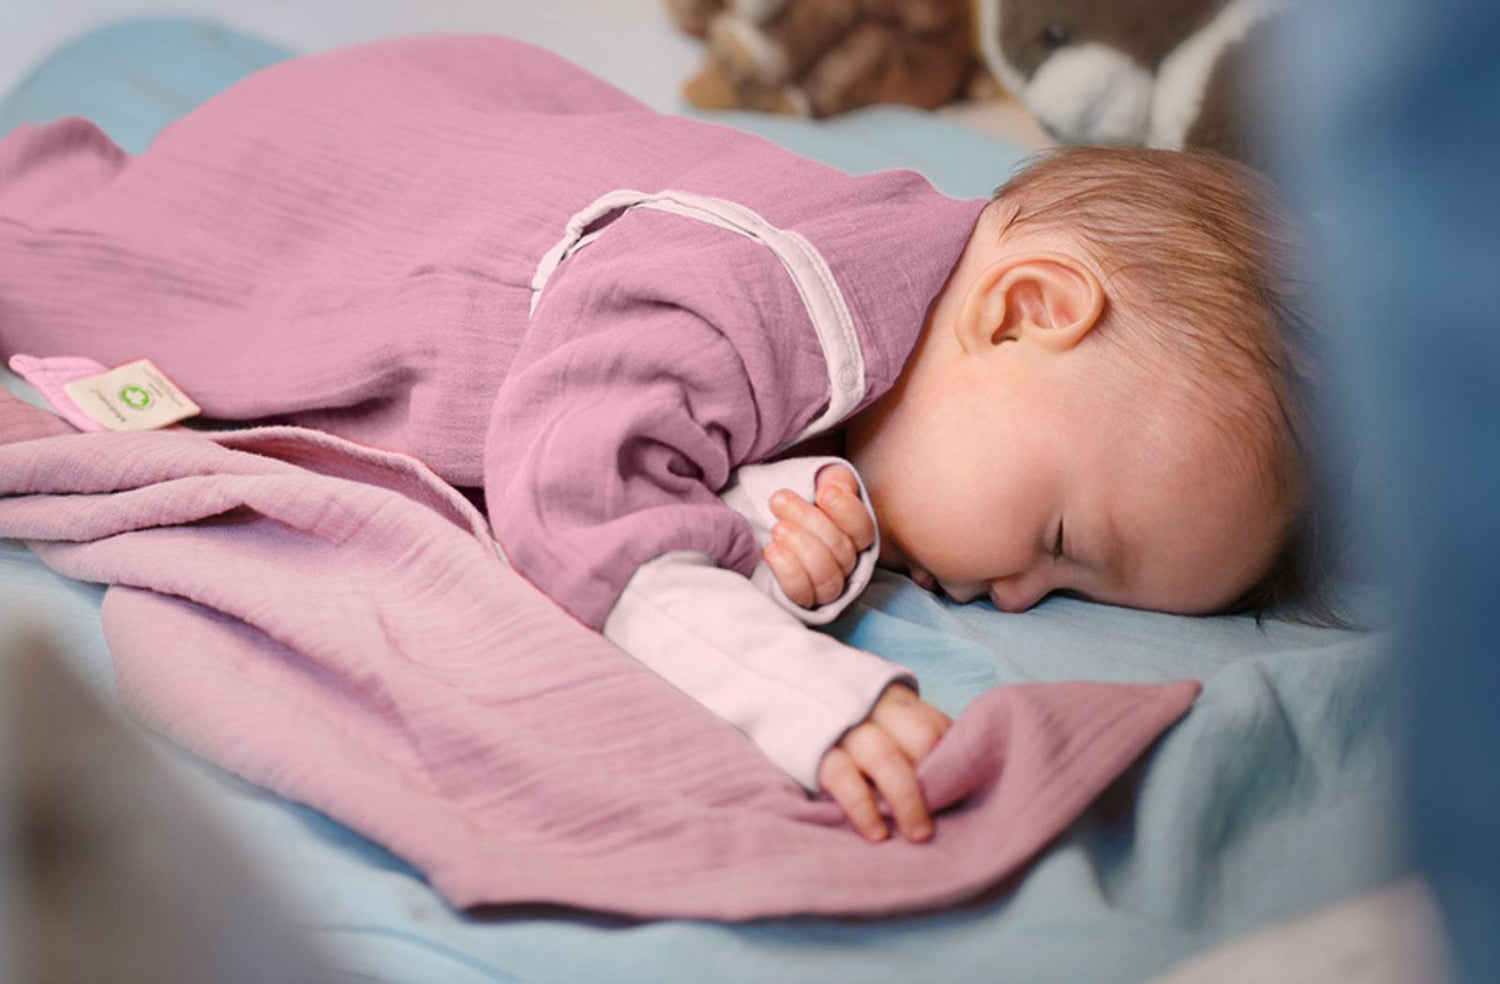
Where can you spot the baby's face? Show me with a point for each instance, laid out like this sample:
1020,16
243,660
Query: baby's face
1059,481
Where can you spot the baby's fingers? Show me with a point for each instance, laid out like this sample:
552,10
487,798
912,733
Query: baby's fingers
823,571
893,774
838,497
841,779
796,512
914,725
790,573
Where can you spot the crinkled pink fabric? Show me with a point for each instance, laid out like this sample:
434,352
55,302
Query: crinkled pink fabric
349,241
333,622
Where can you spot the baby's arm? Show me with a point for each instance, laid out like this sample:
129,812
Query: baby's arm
712,634
812,548
620,453
828,714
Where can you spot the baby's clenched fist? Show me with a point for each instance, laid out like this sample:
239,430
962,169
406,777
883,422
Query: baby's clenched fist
816,545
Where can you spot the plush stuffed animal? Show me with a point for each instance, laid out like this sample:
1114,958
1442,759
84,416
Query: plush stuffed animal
1160,73
1164,73
823,57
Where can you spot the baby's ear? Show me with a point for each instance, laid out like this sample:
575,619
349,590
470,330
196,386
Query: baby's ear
1049,298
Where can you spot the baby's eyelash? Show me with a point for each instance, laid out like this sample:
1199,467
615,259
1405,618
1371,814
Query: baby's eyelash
1057,548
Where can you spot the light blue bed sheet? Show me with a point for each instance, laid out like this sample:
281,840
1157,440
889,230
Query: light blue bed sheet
1276,794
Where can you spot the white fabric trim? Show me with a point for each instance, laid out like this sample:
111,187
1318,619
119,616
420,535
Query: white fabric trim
711,634
810,273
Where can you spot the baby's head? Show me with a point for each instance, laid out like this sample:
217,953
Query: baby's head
1103,400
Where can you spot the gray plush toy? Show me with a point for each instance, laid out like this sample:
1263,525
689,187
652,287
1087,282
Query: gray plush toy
1161,73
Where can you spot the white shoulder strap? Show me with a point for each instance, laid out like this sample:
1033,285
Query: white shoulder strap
810,274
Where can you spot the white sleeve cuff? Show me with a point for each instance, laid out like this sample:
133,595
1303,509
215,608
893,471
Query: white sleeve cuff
714,636
749,494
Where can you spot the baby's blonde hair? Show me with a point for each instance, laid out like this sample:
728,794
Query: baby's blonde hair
1203,272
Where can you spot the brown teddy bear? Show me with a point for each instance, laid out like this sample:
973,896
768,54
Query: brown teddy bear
1164,73
823,57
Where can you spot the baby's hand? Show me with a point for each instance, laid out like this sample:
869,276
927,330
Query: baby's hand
816,547
884,750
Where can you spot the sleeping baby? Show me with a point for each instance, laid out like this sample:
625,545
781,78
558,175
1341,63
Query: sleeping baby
1099,405
630,330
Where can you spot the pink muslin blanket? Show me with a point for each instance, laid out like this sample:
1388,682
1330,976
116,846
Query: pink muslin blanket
334,623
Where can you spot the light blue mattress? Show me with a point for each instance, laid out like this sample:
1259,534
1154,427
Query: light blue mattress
1276,794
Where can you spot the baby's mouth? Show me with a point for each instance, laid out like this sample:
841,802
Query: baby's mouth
923,580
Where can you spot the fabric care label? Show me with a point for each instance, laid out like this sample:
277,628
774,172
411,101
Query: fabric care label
132,397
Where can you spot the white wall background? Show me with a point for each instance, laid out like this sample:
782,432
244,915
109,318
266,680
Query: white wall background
632,43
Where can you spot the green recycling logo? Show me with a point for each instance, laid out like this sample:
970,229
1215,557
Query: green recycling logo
135,396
